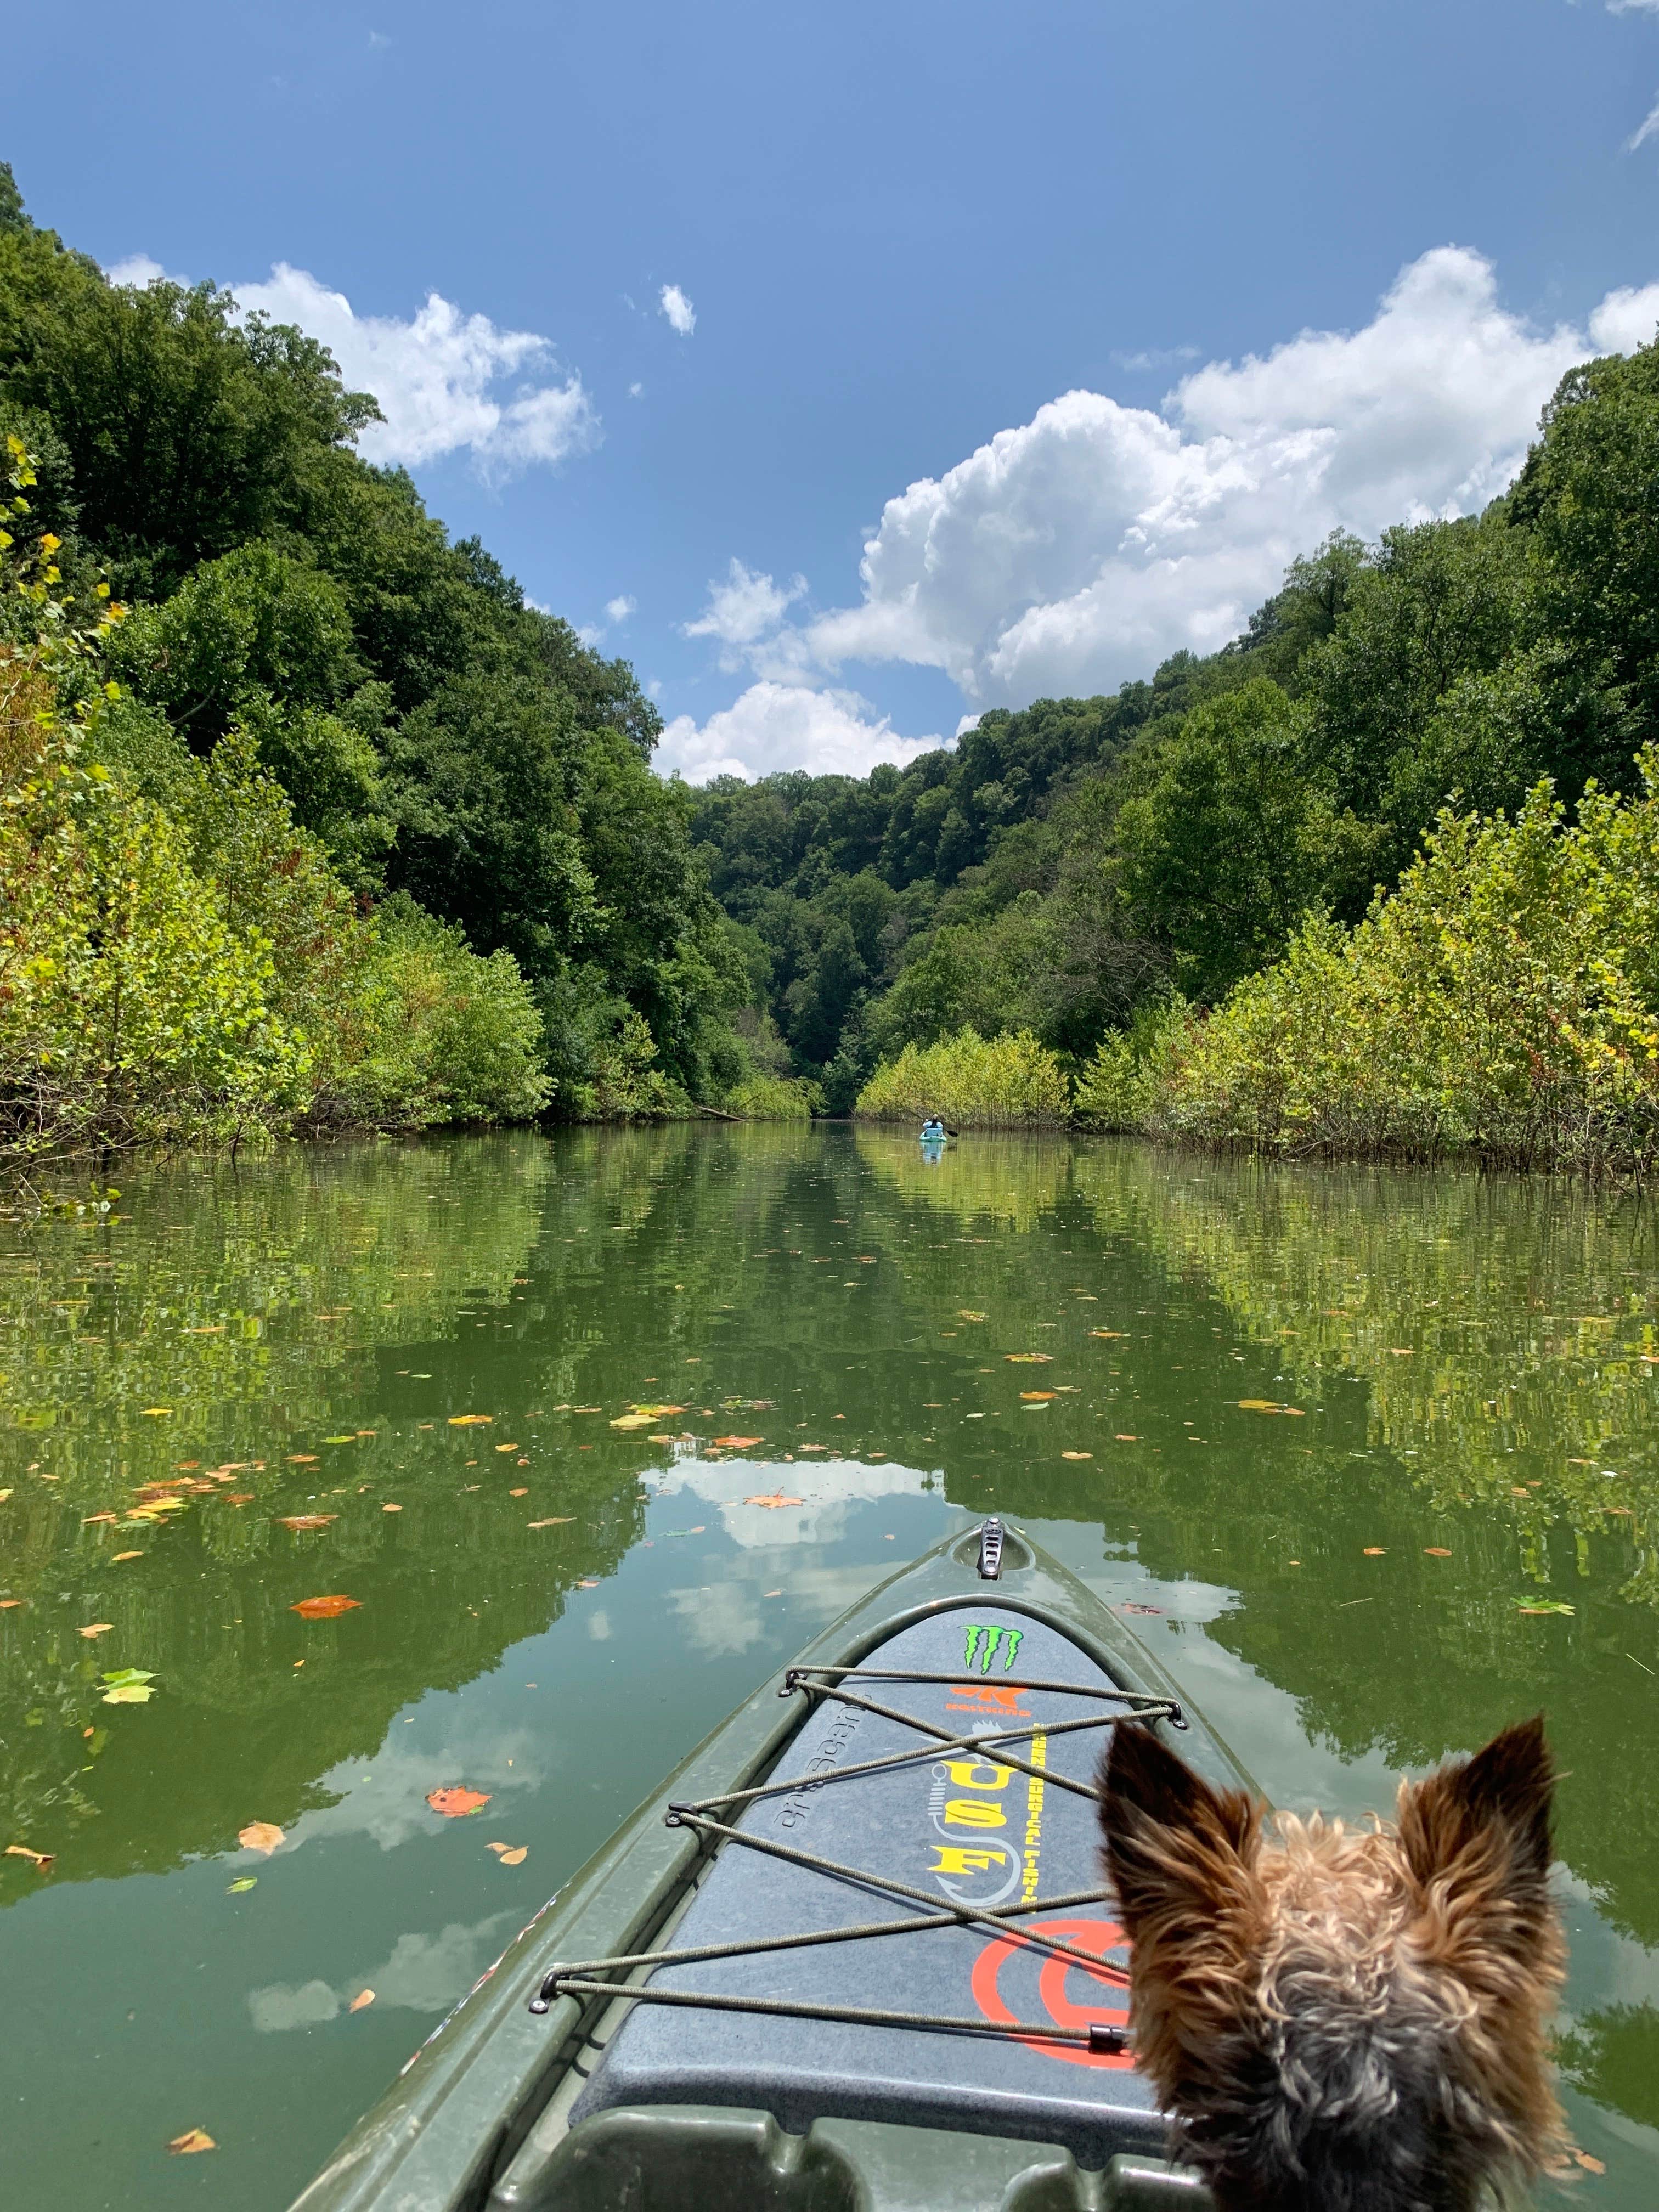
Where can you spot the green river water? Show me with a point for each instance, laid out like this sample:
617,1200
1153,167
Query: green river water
1466,1430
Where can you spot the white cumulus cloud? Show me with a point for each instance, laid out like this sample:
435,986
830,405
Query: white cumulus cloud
619,609
445,382
682,315
1084,546
743,611
785,725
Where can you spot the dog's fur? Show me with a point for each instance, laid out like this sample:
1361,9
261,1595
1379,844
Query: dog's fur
1343,2022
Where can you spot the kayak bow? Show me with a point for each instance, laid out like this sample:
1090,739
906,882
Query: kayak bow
857,1953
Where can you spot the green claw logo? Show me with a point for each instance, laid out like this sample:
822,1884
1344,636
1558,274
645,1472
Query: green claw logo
984,1644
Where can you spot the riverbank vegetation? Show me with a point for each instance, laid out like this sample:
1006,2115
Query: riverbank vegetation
330,827
1006,1082
1186,891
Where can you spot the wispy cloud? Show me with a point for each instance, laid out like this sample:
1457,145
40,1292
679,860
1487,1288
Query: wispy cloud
445,382
682,315
1650,125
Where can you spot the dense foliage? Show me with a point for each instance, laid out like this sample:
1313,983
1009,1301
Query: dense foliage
1070,868
461,780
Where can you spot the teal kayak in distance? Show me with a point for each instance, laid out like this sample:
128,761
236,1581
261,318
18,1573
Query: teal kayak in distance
857,1955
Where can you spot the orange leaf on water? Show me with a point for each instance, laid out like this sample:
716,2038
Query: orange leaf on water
259,1836
738,1443
117,1557
95,1628
518,1493
363,1997
302,1459
554,1521
1376,1551
192,2139
1436,1552
307,1520
1038,1393
90,1518
1120,1439
470,1420
774,1499
323,1608
454,1804
41,1860
391,1509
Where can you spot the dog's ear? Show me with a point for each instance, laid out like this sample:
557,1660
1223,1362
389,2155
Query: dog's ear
1485,1820
1175,1849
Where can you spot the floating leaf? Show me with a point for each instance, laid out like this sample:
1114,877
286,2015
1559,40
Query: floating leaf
1259,1405
1030,1395
116,1558
1376,1551
739,1444
1106,1331
1031,1359
634,1420
1076,1455
95,1628
588,1585
340,1440
363,1997
1543,1605
302,1459
88,1520
1436,1552
123,1675
517,1857
474,1420
553,1521
1122,1439
128,1693
966,1312
1590,2164
456,1804
259,1836
7,1604
518,1493
506,1447
323,1608
193,2139
307,1520
154,1410
391,1509
772,1500
1132,1607
242,1883
41,1860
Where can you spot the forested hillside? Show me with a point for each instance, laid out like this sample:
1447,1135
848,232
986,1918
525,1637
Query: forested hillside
310,817
1069,864
312,821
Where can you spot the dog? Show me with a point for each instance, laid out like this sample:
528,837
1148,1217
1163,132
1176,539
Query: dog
1340,2021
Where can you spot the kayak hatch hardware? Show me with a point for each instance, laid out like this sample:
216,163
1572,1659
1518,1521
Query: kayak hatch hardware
990,1550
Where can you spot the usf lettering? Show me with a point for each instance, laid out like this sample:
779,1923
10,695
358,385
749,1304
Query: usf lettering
981,1859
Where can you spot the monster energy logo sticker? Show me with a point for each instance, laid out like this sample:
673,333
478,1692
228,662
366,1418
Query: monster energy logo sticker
984,1644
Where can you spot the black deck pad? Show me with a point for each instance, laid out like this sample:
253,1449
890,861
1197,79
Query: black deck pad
960,1827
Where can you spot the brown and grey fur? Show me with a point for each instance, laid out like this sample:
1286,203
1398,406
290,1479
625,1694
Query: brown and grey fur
1340,2022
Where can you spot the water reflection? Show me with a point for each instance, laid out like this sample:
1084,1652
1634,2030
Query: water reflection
1328,1439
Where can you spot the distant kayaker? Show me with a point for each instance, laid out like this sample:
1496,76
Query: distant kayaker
933,1130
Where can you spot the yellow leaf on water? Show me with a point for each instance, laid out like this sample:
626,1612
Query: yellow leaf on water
1436,1552
1076,1455
1376,1551
192,2139
363,1997
517,1857
95,1628
470,1420
554,1521
1036,1394
1258,1405
117,1557
259,1836
391,1509
506,1447
634,1420
41,1860
518,1493
155,1409
966,1314
128,1693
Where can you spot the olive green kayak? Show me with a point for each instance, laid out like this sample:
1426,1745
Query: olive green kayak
857,1954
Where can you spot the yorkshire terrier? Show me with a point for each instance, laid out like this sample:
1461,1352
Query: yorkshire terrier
1341,2022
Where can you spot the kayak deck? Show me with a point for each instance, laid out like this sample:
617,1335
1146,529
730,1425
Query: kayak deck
587,2099
936,1813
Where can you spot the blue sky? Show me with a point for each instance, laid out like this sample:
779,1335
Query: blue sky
1006,348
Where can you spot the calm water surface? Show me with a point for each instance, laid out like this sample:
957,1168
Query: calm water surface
1330,1439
